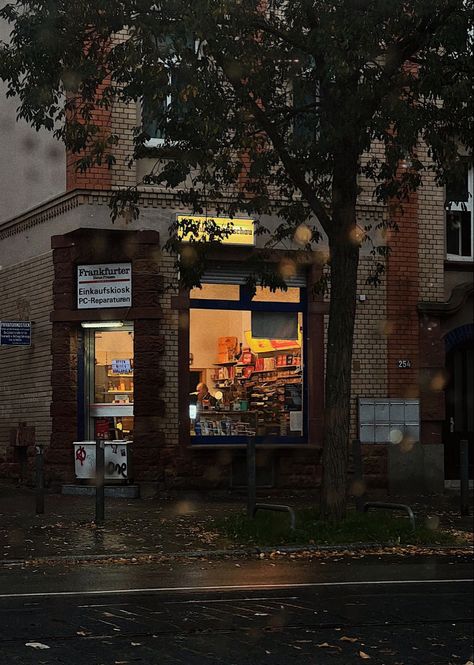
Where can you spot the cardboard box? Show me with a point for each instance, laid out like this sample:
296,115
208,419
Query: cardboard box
227,343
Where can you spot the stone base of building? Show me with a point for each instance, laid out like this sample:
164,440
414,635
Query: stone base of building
112,491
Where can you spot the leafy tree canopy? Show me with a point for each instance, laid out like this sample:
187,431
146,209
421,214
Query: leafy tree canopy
286,94
265,106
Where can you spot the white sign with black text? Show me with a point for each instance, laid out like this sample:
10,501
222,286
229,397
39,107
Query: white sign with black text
104,285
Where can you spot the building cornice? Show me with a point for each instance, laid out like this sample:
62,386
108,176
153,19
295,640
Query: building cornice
149,198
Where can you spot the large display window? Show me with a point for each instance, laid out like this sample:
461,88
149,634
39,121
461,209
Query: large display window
247,358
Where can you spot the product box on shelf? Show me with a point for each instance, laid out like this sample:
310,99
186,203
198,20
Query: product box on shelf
269,363
246,358
228,346
228,342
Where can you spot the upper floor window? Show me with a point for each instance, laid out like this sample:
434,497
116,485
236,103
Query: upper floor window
459,217
168,98
305,93
156,109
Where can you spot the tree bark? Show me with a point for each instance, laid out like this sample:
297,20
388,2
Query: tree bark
344,260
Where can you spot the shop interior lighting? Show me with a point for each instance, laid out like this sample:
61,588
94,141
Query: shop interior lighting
102,324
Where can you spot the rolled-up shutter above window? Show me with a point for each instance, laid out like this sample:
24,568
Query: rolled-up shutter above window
235,273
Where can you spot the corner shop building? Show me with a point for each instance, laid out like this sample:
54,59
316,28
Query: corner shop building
130,367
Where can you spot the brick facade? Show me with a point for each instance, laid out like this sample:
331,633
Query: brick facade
25,388
99,176
85,247
402,298
387,328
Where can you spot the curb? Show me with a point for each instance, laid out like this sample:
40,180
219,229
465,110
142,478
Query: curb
140,557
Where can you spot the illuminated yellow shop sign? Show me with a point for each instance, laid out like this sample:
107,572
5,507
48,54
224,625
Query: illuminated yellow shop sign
241,231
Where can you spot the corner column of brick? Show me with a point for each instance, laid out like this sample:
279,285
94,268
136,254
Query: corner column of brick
63,373
149,374
402,299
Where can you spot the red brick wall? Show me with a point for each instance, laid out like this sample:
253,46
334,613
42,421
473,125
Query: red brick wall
402,301
99,176
96,247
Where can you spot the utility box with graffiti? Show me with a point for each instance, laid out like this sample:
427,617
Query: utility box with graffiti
116,454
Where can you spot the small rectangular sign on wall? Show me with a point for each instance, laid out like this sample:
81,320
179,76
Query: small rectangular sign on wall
104,285
15,333
235,231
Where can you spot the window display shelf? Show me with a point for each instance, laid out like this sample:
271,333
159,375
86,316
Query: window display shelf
112,376
275,369
225,423
119,391
231,362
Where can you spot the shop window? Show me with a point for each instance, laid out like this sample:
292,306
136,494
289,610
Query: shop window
249,359
109,383
459,217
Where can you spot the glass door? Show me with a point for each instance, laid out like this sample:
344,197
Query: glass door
109,383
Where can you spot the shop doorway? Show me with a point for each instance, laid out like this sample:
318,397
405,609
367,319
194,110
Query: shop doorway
109,387
459,423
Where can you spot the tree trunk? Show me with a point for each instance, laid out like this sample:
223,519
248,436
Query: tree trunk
344,260
344,264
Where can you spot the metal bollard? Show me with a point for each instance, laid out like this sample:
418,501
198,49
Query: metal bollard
39,470
464,476
99,481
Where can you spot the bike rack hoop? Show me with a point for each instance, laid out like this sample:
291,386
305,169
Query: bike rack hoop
280,509
391,506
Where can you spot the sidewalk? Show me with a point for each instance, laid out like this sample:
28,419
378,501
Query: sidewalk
155,526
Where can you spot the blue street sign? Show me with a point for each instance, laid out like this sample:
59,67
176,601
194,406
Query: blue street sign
15,333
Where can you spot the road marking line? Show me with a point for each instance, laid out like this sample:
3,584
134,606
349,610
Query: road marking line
224,587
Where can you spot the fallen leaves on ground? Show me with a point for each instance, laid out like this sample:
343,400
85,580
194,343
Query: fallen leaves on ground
326,645
37,645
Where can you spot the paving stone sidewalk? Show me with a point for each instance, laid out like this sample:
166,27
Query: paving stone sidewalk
152,526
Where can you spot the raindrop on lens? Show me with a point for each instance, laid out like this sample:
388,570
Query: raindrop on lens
396,436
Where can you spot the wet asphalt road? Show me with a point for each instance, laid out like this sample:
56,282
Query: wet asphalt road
386,610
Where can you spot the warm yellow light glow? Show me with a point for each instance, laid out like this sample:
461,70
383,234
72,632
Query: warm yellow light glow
102,324
242,230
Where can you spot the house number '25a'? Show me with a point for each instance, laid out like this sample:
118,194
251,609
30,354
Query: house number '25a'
404,364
